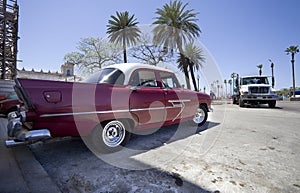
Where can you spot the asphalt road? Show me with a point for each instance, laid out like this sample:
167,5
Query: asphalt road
252,149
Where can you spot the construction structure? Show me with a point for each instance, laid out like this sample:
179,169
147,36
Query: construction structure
9,15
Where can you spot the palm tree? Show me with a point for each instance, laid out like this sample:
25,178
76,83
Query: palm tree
272,70
218,87
175,26
293,50
194,60
260,67
230,82
225,82
123,30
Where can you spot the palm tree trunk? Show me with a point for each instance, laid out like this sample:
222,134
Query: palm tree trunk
124,51
293,74
273,78
185,70
184,65
193,77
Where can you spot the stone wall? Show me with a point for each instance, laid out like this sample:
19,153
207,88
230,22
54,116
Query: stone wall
44,75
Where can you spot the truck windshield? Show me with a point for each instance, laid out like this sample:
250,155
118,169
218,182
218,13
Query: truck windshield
107,75
255,80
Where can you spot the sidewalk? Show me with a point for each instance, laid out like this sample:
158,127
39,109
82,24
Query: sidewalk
20,171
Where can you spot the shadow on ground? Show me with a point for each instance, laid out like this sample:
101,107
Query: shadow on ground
76,169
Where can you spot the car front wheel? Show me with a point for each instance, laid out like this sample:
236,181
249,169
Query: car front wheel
111,136
200,116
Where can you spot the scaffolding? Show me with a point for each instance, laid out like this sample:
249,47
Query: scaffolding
9,15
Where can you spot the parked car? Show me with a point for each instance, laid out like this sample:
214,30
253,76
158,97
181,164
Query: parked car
106,108
297,94
2,97
9,103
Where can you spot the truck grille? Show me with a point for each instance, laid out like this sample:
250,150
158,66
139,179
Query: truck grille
259,90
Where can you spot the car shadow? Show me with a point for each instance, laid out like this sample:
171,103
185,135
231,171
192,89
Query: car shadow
73,166
74,162
166,135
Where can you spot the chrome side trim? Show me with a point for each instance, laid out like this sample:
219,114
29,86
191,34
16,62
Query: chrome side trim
83,113
147,109
181,105
179,101
103,112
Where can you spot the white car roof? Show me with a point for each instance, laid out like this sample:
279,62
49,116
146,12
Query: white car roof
128,68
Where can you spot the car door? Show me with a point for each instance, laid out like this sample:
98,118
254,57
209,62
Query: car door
147,97
180,103
172,92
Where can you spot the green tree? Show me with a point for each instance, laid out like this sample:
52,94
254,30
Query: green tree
194,60
175,26
123,30
147,52
293,50
93,54
260,68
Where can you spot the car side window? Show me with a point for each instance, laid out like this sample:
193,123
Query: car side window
143,78
168,80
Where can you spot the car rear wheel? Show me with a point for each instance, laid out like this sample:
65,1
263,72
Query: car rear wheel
200,116
111,136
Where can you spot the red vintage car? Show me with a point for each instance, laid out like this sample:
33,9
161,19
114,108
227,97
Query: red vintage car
109,106
9,104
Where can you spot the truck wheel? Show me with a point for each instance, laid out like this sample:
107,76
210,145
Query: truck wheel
272,104
234,101
110,137
241,103
200,116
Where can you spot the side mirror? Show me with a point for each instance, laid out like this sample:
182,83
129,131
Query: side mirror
182,86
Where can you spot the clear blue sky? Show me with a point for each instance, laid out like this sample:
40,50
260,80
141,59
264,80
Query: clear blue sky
240,34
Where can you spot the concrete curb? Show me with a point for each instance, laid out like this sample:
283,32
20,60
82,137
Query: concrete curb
36,178
20,171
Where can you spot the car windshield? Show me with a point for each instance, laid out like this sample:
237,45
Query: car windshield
107,75
255,80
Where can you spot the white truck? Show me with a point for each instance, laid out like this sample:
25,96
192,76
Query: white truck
254,90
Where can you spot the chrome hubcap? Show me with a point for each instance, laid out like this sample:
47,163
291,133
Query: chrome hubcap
199,116
113,133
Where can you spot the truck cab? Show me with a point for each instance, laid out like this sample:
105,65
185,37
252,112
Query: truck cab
255,90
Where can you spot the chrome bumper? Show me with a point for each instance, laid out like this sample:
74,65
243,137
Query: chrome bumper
259,97
19,134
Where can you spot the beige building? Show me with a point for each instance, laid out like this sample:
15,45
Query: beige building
66,73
